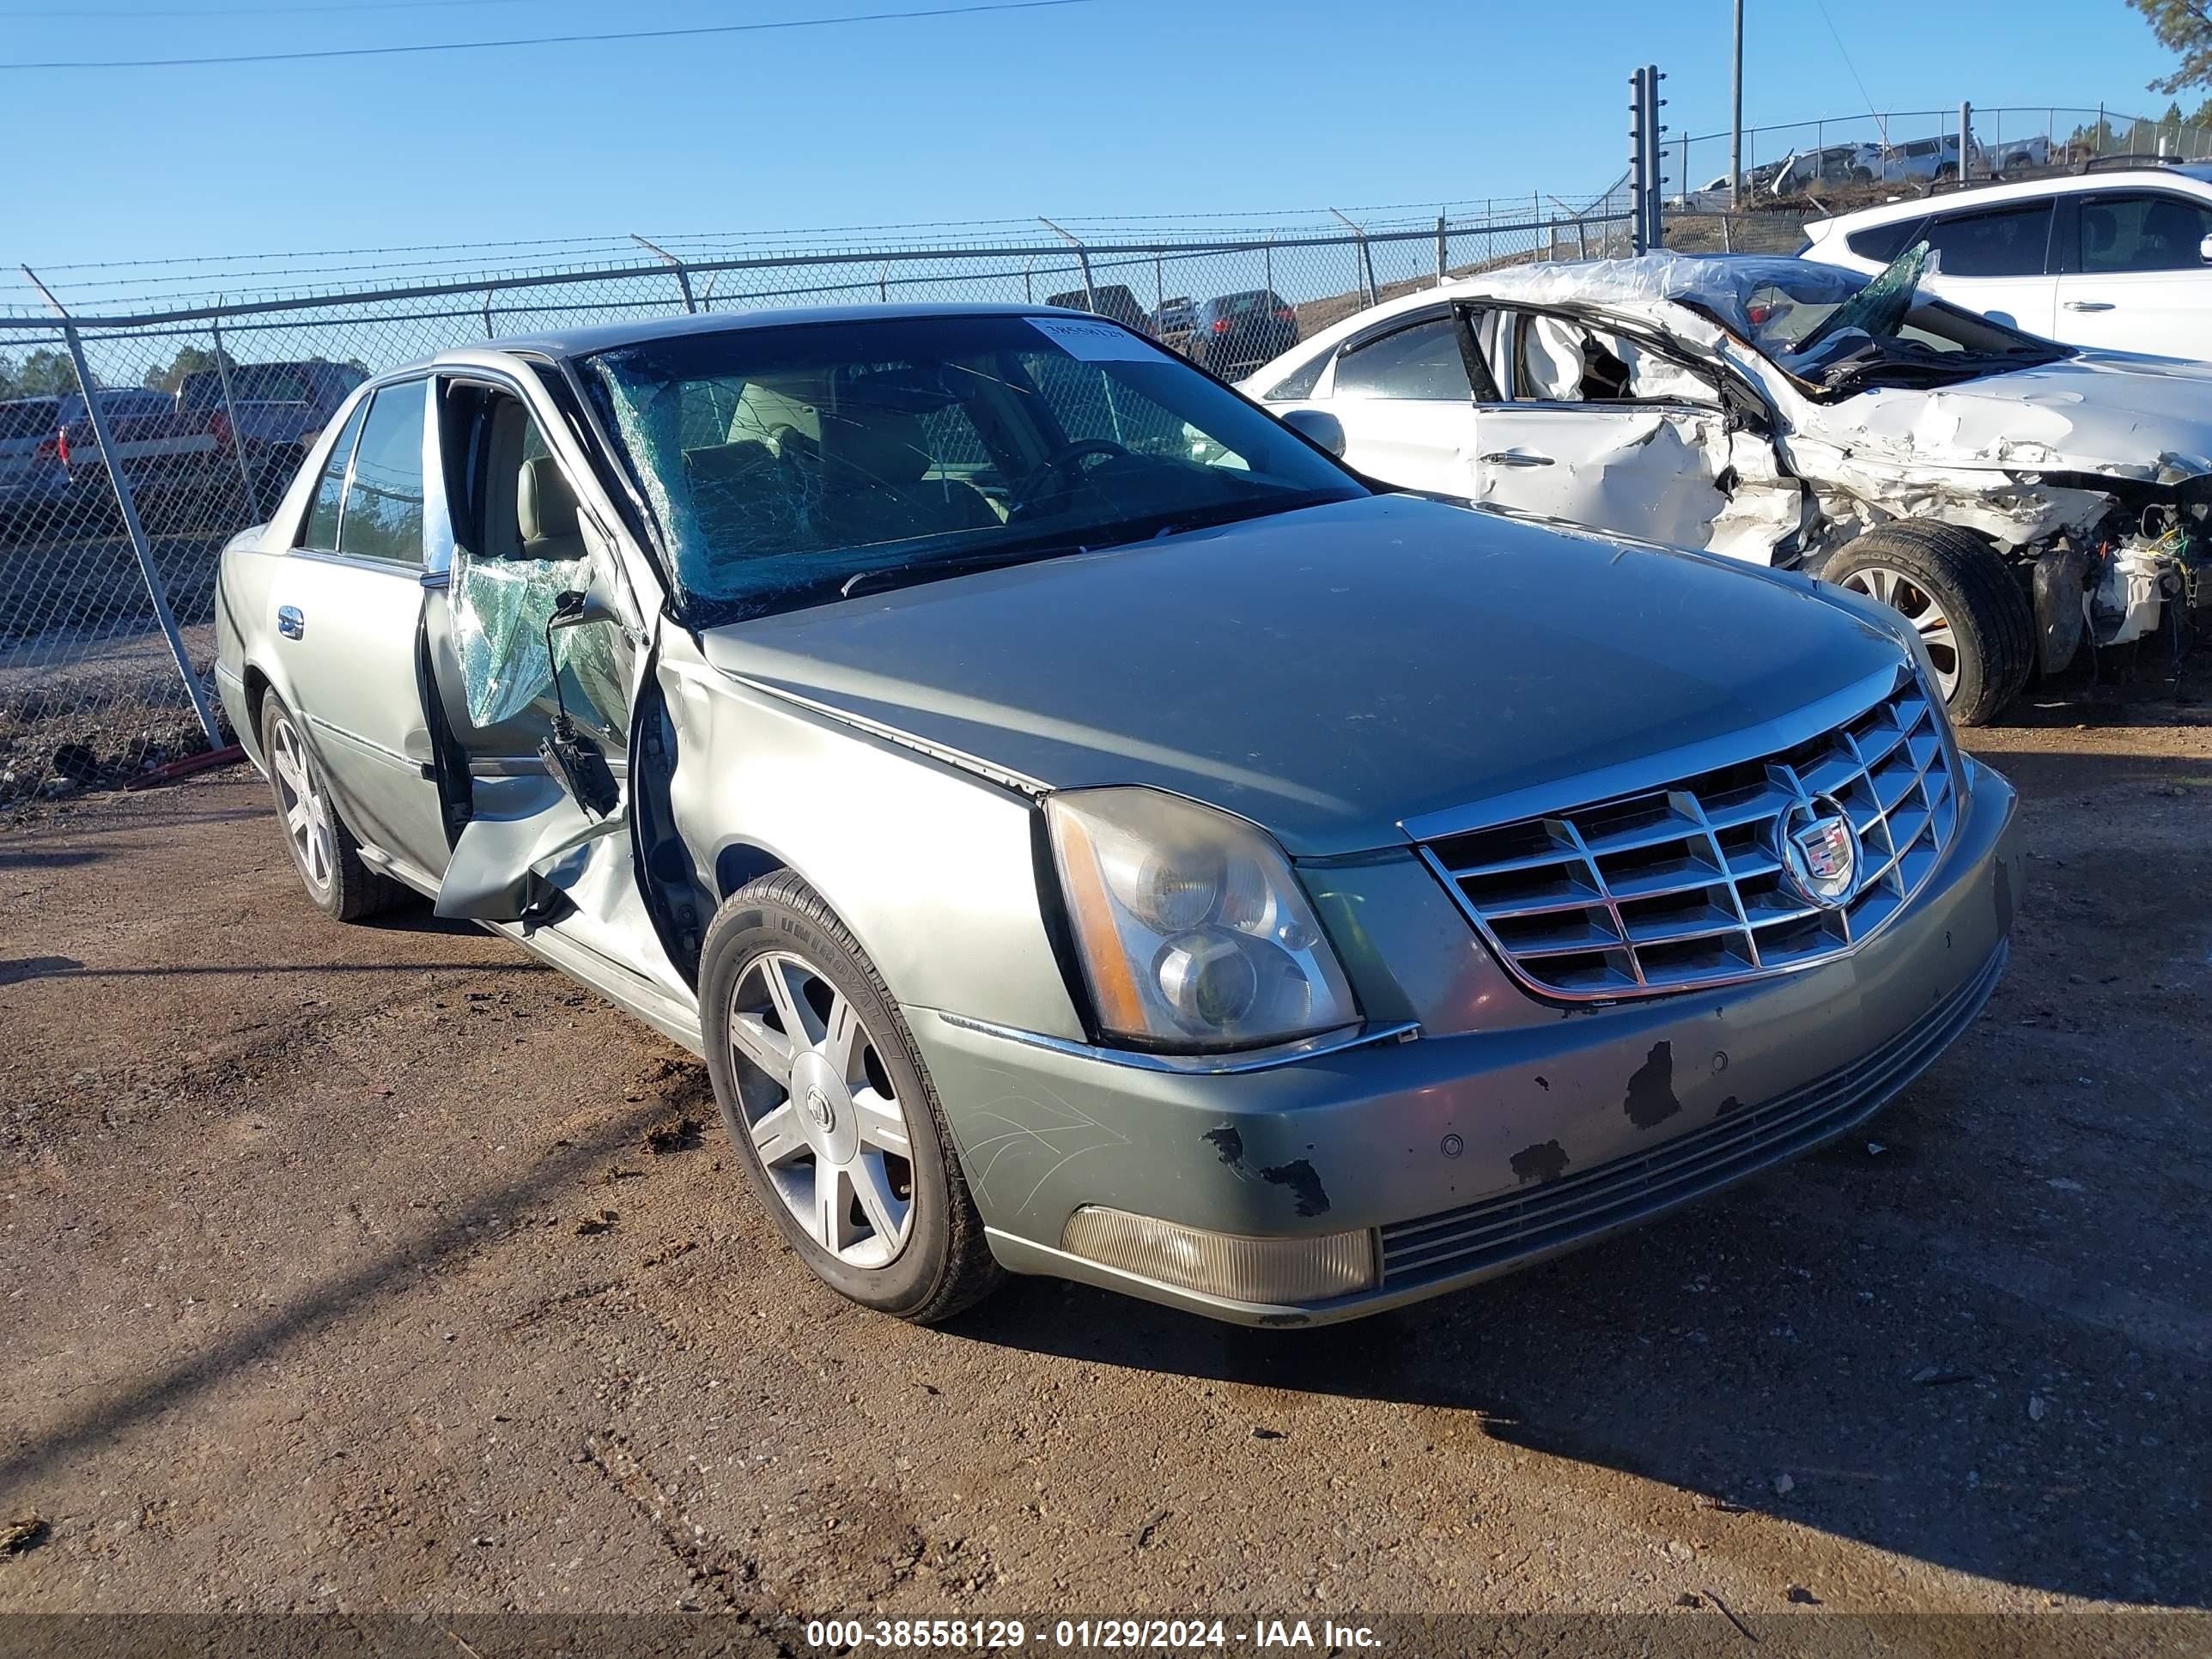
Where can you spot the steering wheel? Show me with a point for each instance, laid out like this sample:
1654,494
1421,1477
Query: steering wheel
1059,464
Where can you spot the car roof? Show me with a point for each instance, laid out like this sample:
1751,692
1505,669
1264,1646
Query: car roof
1978,194
1722,283
608,336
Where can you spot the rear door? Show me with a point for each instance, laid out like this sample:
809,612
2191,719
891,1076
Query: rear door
1997,260
2132,273
348,609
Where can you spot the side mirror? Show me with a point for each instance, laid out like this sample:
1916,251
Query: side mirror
590,604
2204,250
1318,426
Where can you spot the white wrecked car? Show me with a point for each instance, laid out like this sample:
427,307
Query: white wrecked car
2012,496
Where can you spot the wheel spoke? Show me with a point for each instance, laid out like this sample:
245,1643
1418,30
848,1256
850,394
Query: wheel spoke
872,1185
844,1039
762,1044
298,819
800,1023
882,1124
828,1223
776,1136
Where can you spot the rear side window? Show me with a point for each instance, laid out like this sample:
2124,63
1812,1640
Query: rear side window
1419,364
2004,242
383,516
2151,232
322,531
1301,381
1883,242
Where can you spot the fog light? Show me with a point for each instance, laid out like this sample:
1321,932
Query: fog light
1224,1264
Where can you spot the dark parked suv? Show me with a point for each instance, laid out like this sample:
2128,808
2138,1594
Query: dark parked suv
1236,333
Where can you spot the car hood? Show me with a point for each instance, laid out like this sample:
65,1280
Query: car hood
2112,414
1327,672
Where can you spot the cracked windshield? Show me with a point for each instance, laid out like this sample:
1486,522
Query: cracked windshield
786,466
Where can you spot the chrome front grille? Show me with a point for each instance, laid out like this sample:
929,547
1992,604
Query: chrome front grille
1687,885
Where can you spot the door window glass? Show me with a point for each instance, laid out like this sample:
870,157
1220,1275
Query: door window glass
2006,242
322,531
383,515
2151,232
1564,361
1419,364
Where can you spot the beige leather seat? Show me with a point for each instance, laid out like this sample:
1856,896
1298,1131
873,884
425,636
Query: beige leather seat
545,512
873,489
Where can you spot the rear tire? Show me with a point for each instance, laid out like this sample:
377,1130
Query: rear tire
324,850
1972,616
840,1131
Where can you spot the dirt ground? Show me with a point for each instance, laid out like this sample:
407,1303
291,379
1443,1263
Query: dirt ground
374,1267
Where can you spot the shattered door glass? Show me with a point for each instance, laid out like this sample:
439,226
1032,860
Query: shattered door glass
499,609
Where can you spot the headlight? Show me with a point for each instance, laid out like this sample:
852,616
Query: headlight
1194,933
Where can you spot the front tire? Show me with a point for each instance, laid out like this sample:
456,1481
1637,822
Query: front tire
1952,587
324,850
824,1095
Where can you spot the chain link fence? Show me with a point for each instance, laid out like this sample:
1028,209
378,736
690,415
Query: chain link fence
114,510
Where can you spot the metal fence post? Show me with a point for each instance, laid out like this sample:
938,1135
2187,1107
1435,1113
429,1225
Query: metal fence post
1082,258
230,413
486,313
1363,262
1440,250
683,276
155,589
1965,141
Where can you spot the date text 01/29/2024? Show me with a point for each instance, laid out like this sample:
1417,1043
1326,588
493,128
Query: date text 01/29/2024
966,1634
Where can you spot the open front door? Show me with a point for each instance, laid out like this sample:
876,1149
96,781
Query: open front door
524,706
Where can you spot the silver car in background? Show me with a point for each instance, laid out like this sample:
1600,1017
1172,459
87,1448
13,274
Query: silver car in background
1086,830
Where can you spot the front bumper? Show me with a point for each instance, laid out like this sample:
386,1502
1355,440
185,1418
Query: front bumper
1470,1156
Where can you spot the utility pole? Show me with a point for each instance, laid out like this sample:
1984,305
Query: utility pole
1735,120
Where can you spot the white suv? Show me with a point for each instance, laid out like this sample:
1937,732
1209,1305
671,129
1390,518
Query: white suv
2116,259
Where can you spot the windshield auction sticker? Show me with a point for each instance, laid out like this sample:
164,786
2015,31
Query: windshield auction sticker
1094,342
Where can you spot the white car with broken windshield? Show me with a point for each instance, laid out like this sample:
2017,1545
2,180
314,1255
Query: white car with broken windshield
2019,501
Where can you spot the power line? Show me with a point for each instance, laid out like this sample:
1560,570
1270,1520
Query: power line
49,15
544,39
1845,51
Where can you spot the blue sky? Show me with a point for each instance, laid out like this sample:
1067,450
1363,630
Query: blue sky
1099,111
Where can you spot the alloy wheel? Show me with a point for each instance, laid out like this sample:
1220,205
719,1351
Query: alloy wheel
306,808
822,1111
1919,607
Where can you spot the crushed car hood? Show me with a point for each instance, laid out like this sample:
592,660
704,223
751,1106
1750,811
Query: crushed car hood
2108,413
1327,673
